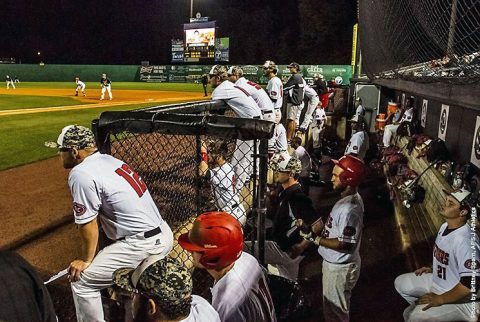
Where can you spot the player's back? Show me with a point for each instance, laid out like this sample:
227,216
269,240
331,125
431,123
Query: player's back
238,99
257,93
242,295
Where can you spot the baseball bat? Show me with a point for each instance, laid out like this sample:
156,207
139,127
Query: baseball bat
57,276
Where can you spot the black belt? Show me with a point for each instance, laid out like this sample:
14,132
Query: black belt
266,112
148,234
256,117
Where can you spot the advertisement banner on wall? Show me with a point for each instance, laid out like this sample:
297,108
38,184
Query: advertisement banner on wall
423,118
443,123
475,156
153,74
177,51
177,74
340,74
222,49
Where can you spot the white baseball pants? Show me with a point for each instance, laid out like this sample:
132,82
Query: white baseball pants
309,113
294,112
411,287
338,282
269,117
108,89
242,162
10,83
125,253
389,131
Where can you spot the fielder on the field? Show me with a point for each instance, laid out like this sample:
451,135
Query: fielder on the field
106,190
9,82
443,292
106,85
80,86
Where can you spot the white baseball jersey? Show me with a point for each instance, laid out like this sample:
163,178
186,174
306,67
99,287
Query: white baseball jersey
360,110
313,101
257,93
103,185
344,222
80,84
305,159
275,91
407,116
242,295
278,143
223,181
320,114
201,311
238,99
452,257
359,144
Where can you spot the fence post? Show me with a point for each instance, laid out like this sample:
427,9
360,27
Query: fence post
261,210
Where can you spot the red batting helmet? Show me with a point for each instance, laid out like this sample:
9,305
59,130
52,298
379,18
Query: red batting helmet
218,236
353,170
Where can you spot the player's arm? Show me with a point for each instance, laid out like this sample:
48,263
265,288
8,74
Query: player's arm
203,166
89,238
456,294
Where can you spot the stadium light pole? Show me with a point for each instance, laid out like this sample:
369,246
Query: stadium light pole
191,8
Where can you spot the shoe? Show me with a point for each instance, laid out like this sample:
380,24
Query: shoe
110,98
76,94
101,99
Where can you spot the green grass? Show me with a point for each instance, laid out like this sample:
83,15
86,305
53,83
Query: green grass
22,137
185,87
13,102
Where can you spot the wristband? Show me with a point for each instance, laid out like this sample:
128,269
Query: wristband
204,156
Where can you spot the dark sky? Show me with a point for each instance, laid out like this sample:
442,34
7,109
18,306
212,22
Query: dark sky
129,31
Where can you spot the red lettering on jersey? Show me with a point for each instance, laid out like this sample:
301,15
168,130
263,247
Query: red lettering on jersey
79,209
257,87
244,91
328,223
133,179
440,255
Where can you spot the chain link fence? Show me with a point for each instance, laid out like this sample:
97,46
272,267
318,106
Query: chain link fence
194,161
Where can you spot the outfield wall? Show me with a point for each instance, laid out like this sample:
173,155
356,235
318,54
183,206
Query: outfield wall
67,73
157,73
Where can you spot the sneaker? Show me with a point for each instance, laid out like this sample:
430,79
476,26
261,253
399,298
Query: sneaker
76,94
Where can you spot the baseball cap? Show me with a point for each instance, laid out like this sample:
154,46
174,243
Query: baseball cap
157,275
282,163
293,64
73,136
269,64
460,195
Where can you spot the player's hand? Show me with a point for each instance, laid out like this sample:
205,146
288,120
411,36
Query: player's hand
423,270
76,268
296,250
431,299
318,226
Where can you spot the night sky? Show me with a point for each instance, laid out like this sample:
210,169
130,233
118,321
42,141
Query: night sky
129,31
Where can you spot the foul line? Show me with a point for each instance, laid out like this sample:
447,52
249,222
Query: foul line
84,106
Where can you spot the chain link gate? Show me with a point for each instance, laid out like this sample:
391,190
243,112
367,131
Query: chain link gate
167,147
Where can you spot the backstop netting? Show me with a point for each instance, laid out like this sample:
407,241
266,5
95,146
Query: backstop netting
167,147
428,41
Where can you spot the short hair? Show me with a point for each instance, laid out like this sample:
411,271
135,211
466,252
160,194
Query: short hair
297,141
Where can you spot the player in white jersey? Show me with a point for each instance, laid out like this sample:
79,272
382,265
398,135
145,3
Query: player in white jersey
244,106
106,85
278,143
162,289
9,82
80,86
359,142
235,75
339,239
301,154
106,190
313,101
222,178
444,291
360,110
274,87
316,128
240,292
391,129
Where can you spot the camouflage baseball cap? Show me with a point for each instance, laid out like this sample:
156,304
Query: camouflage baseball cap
74,136
160,276
282,163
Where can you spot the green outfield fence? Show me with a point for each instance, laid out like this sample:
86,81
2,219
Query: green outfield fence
157,73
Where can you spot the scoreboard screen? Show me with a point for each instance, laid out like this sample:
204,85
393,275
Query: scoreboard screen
200,37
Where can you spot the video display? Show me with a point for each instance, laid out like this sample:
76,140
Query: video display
200,37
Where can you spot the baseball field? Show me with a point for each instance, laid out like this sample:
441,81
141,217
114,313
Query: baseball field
35,202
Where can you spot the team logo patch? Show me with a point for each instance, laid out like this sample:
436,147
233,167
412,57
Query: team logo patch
349,231
274,93
355,147
79,209
472,265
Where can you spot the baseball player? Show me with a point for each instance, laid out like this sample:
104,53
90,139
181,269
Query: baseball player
222,178
360,110
274,87
235,75
162,289
240,292
294,87
339,239
316,128
301,154
313,101
244,106
359,142
80,87
391,129
9,82
106,190
106,85
278,143
444,292
284,250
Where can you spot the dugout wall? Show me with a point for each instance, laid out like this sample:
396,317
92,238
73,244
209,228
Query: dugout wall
164,146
